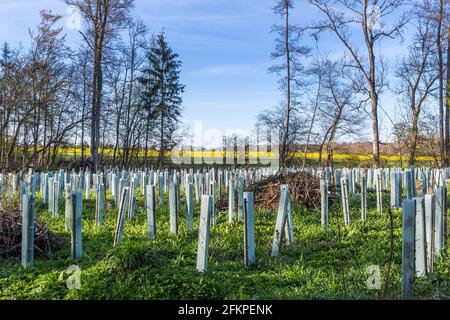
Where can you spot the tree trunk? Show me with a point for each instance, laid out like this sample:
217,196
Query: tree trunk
319,161
37,119
83,110
44,143
161,142
316,105
94,145
99,32
329,154
414,135
146,140
447,104
372,89
284,150
441,86
375,131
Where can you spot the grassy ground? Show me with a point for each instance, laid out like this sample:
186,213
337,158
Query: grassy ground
318,265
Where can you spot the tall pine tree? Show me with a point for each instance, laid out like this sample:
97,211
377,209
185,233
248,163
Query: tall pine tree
162,92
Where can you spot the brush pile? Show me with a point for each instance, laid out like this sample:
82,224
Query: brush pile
303,186
45,241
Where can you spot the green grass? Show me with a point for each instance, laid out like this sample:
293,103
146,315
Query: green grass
318,265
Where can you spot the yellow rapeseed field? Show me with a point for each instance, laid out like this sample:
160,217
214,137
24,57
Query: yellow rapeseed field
67,152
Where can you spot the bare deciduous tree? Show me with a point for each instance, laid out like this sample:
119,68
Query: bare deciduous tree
274,119
289,52
417,77
317,72
103,20
340,16
339,109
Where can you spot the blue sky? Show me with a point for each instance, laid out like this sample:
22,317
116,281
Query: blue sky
225,47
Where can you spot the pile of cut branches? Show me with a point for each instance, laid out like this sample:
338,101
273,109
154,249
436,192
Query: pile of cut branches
303,186
11,236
